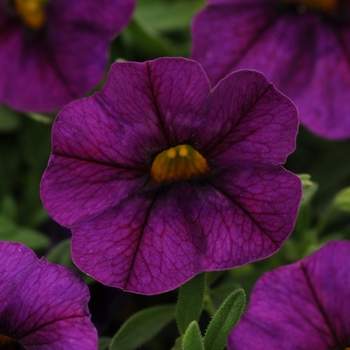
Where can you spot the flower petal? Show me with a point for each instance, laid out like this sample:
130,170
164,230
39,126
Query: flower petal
253,121
85,188
224,33
107,245
149,237
303,305
180,88
149,244
122,138
265,199
306,58
43,305
66,59
153,243
161,97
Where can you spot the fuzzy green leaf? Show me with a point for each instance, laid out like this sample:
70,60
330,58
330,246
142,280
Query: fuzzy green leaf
190,302
192,339
224,320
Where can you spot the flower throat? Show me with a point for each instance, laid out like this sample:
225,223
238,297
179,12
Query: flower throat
9,343
178,163
31,12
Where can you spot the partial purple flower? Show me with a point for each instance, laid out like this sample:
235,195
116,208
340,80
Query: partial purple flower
160,178
301,45
304,305
43,306
55,51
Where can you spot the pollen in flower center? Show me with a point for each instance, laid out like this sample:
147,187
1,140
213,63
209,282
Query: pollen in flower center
178,163
32,12
10,343
320,5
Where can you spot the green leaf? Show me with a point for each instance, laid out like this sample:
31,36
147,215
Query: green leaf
9,231
224,320
142,327
41,118
61,255
192,339
9,120
146,40
168,15
6,224
32,238
35,144
9,207
190,302
103,343
342,200
38,217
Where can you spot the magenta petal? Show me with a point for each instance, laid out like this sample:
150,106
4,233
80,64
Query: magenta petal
132,232
305,57
300,306
187,228
169,94
264,200
246,127
111,242
180,89
87,190
223,33
42,305
44,70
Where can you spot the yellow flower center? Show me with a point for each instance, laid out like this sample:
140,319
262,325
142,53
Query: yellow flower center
178,163
32,12
320,5
5,340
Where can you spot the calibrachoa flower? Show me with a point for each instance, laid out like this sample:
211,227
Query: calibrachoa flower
161,178
301,45
54,51
43,306
304,305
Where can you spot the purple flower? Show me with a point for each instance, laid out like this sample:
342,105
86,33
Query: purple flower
304,305
42,305
301,45
54,51
161,178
